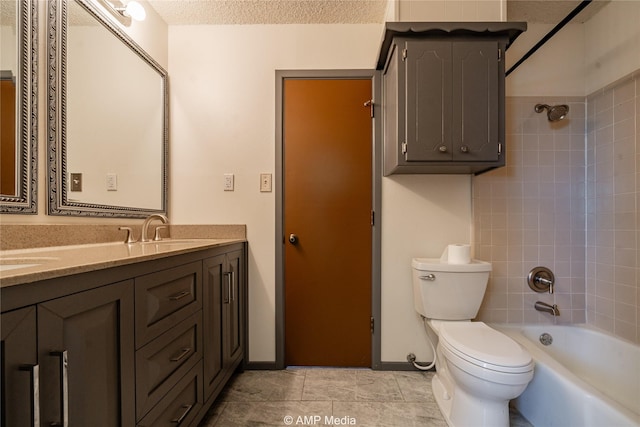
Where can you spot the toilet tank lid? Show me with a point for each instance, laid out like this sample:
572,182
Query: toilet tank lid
434,264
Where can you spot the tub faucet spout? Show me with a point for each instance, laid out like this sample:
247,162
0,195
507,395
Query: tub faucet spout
547,308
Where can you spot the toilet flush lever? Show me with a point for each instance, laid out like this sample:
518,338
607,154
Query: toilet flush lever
430,277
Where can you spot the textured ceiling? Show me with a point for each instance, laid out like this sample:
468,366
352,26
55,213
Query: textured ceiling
226,12
550,11
229,12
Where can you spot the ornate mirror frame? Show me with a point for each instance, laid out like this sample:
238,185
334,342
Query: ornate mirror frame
25,201
58,185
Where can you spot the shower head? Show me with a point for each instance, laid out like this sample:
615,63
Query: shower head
554,112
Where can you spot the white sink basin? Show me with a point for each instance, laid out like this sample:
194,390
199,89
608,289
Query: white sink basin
12,263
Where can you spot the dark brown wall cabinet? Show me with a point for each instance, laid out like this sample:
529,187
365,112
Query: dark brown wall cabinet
443,96
78,351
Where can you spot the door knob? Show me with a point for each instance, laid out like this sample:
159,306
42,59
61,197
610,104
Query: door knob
293,239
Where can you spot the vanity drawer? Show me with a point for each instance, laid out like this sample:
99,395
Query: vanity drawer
165,298
181,405
161,363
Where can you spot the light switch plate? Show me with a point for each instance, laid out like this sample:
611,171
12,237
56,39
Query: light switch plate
228,182
265,182
112,182
76,182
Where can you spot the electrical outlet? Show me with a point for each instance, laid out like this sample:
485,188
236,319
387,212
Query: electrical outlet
228,182
265,182
112,182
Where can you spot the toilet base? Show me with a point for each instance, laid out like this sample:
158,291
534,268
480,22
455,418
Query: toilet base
470,412
443,399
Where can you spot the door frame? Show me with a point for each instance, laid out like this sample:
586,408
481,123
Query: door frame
376,184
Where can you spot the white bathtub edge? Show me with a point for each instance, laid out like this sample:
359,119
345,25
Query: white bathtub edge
588,405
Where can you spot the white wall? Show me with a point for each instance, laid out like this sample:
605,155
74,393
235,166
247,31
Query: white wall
107,80
421,214
580,58
451,10
556,69
612,44
223,121
8,41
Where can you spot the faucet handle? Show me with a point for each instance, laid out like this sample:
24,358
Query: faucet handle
157,236
130,239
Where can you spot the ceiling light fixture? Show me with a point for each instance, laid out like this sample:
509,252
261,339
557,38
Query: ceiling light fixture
132,9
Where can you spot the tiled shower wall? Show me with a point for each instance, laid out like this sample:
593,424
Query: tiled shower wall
567,200
532,213
613,222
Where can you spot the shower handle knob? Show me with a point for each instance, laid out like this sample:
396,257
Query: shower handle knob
464,149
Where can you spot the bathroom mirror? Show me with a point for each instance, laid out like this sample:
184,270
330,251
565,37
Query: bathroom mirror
18,111
108,118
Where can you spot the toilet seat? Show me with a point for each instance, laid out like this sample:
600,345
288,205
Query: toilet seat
482,346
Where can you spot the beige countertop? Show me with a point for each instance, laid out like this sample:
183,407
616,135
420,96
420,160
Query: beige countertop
21,266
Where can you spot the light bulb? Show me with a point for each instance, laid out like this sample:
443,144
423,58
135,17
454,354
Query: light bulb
135,11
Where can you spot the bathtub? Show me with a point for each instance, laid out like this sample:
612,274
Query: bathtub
585,378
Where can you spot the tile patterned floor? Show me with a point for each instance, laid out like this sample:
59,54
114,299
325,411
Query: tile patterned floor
319,397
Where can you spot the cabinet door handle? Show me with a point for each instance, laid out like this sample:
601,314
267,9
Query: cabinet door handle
229,279
182,354
442,148
34,370
179,295
464,149
179,419
64,386
233,288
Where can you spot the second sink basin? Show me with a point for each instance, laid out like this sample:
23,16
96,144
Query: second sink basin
171,241
12,263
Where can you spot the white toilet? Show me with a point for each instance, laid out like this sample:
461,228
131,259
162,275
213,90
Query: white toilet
478,368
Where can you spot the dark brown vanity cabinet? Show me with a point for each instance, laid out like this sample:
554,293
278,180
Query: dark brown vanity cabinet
82,372
223,313
443,96
143,344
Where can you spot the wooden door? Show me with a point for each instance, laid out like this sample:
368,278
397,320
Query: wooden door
327,209
8,138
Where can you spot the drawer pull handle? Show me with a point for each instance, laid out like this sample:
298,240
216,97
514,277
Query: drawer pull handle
179,295
182,355
179,419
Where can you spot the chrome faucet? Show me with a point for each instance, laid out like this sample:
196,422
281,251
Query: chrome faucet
145,226
543,306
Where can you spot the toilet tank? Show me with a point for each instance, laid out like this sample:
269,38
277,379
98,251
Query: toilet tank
448,291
